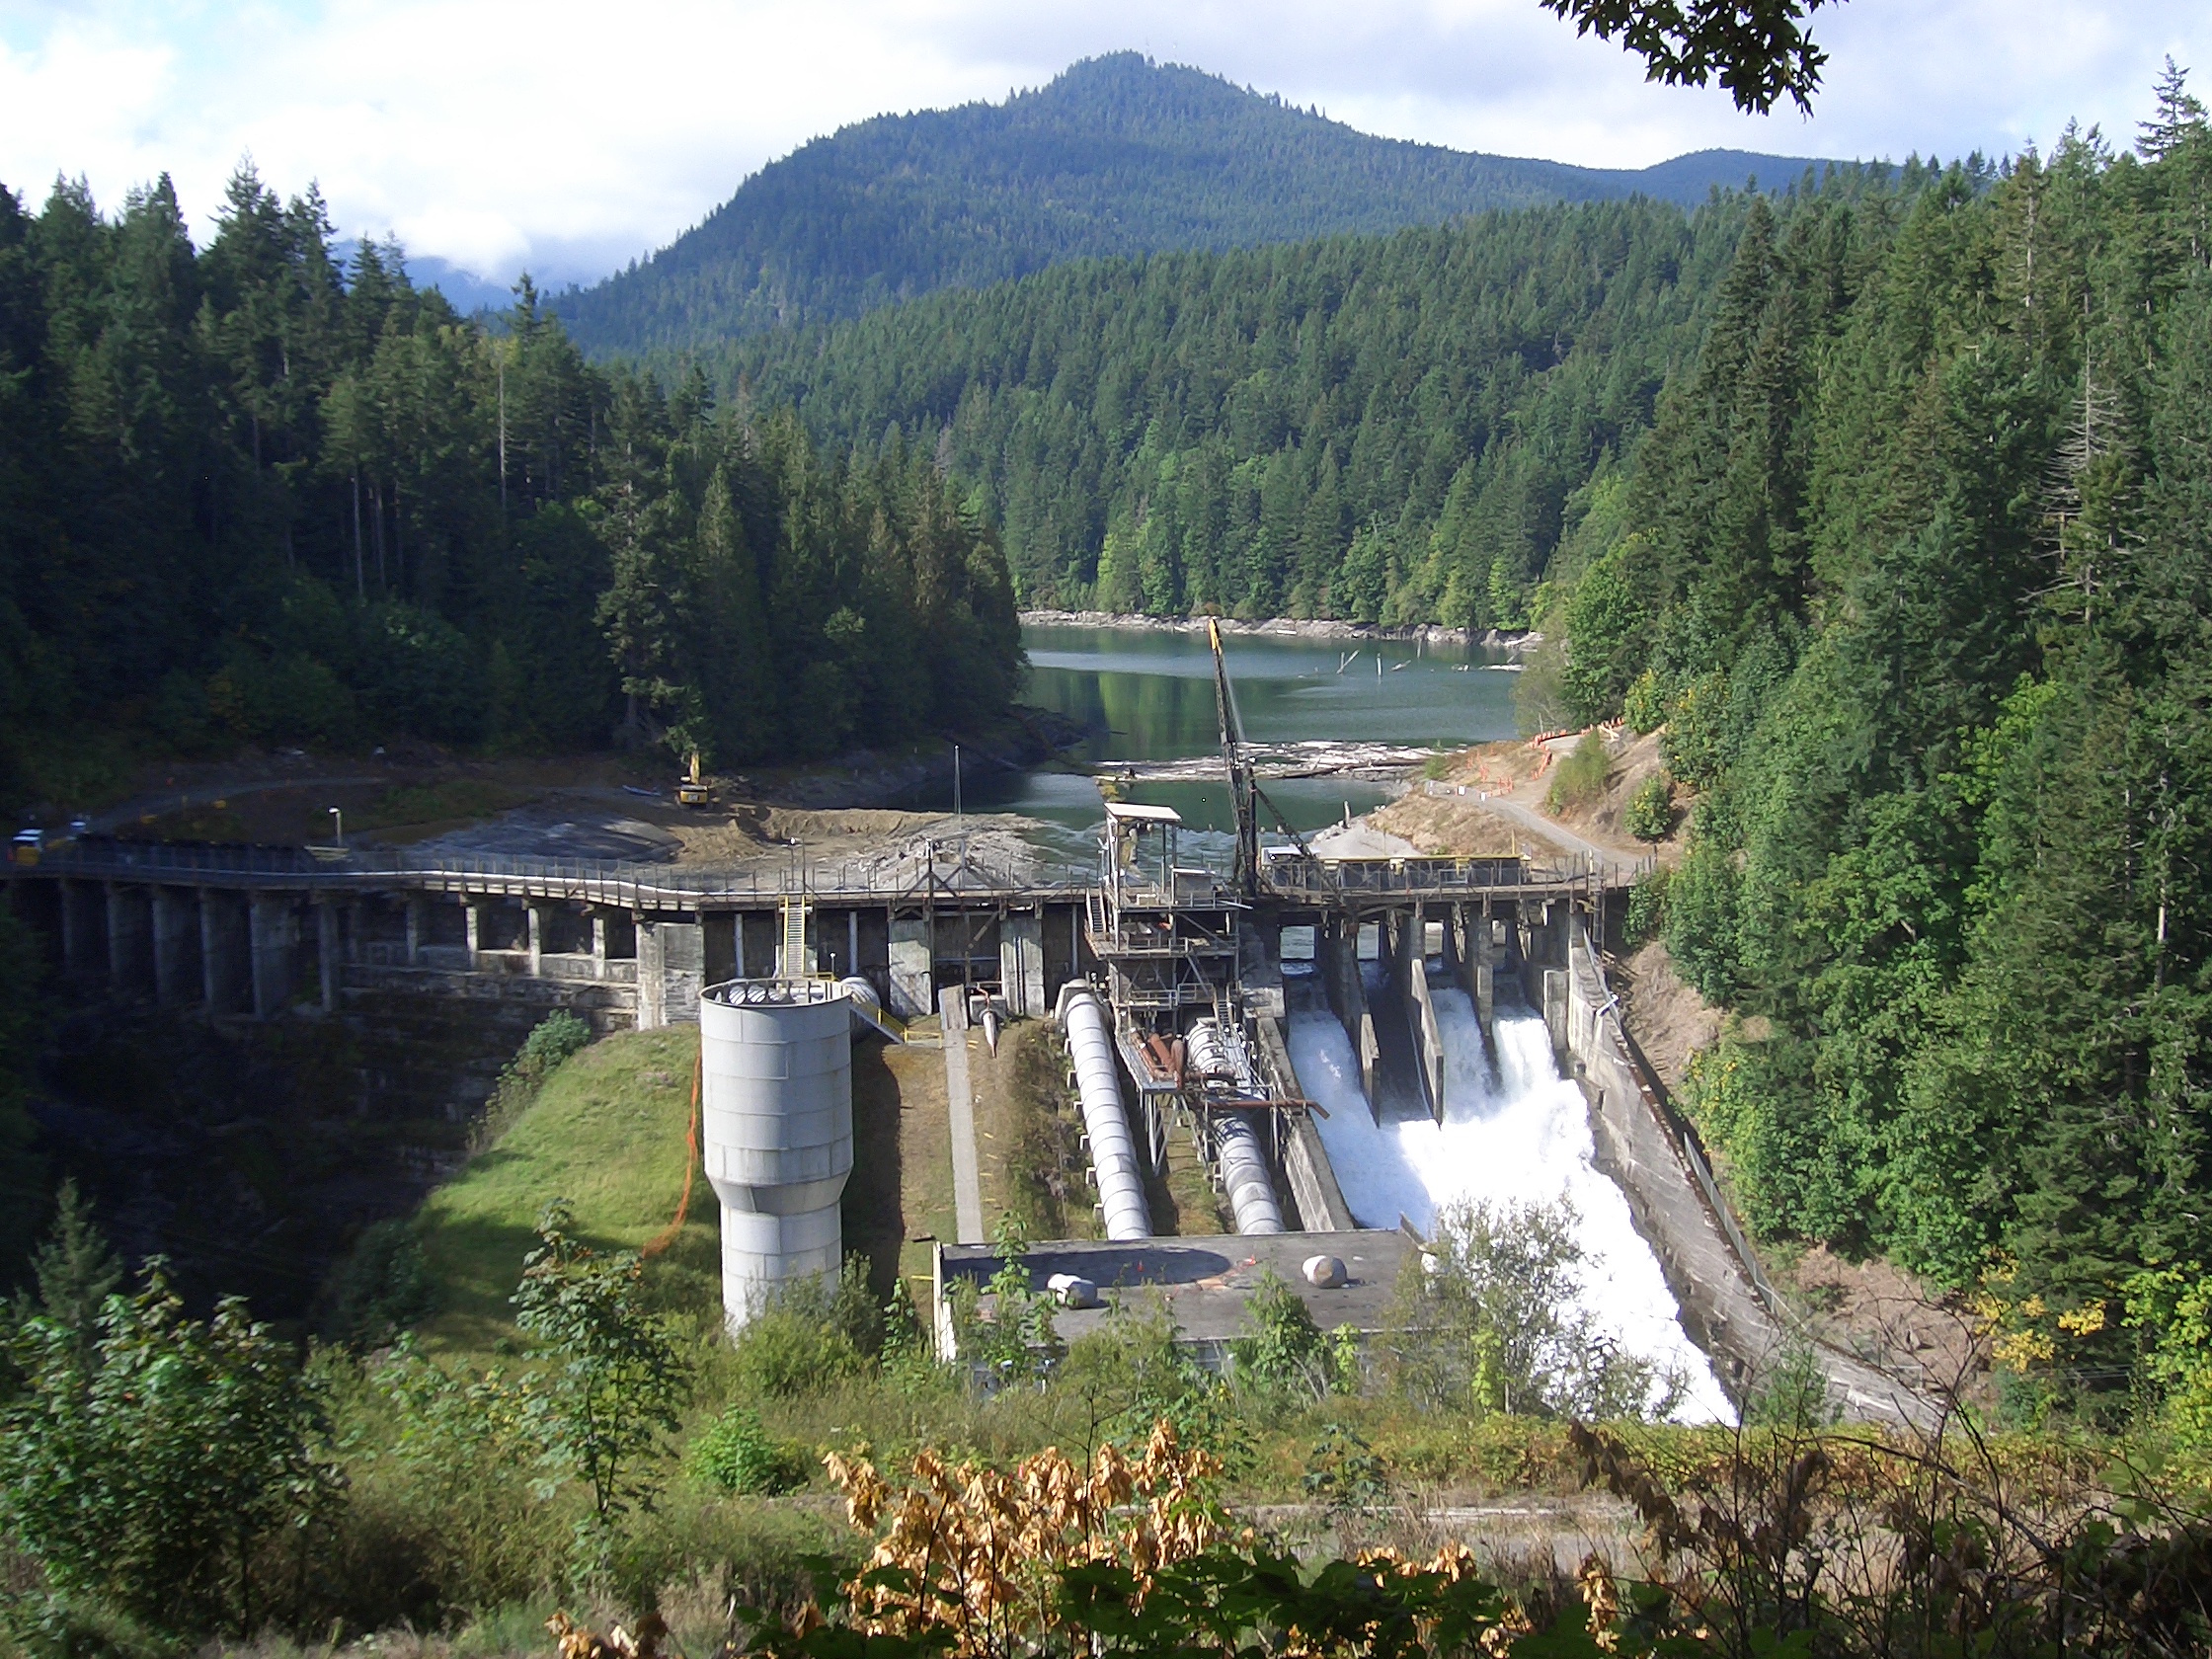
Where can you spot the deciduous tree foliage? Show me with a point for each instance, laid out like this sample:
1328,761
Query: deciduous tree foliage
162,1465
246,495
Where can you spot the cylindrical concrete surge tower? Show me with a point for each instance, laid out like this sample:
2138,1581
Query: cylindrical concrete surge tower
776,1110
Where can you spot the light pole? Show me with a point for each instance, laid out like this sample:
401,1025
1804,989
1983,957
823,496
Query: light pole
959,820
337,827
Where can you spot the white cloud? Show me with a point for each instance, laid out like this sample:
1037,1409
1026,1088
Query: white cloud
571,136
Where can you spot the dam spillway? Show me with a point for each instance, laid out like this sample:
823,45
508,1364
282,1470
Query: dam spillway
1518,1137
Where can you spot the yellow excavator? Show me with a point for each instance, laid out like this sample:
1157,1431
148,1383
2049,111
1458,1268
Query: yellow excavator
694,790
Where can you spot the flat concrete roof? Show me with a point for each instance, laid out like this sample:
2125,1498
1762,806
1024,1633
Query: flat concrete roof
1205,1279
1138,809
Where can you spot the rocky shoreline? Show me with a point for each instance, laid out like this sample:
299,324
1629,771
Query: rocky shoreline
1285,627
870,778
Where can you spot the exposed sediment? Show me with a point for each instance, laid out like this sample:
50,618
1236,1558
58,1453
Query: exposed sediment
1288,627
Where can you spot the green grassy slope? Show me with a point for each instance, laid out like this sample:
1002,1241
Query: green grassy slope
606,1133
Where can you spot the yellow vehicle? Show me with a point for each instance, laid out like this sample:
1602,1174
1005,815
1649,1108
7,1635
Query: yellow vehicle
695,791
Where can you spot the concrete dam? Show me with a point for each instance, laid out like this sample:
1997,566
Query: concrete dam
1447,1016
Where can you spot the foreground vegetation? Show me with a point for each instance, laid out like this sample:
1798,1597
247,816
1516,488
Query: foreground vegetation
591,1442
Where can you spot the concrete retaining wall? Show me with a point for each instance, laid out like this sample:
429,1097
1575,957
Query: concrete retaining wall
1305,1161
1726,1306
1340,974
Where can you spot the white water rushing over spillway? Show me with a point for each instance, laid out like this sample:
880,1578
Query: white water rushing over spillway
1523,1138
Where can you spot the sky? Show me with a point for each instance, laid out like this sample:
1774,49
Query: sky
570,139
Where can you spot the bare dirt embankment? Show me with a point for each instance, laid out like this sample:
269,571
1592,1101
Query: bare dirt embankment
1283,627
603,807
1499,798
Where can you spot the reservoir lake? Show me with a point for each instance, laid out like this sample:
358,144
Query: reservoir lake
1146,695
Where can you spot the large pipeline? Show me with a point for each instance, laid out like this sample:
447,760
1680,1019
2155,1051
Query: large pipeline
1244,1164
1113,1149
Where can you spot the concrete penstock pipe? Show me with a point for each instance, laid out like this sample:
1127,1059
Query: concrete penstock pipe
1113,1149
776,1110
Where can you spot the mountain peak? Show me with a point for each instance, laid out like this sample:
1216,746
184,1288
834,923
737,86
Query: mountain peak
1116,155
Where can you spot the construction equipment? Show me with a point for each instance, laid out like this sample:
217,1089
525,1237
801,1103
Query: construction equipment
1247,868
694,790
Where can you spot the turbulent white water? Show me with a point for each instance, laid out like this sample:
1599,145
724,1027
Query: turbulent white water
1523,1138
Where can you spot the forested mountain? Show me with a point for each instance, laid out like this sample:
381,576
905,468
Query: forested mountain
1119,155
1381,428
1917,568
246,495
1892,502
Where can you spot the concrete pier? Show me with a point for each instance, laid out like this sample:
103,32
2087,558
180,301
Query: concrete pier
175,919
274,932
130,949
222,950
911,966
1022,963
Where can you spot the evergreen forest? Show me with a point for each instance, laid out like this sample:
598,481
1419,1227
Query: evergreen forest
247,496
1118,155
1395,430
1916,566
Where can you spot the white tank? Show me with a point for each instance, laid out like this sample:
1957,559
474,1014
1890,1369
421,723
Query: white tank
775,1108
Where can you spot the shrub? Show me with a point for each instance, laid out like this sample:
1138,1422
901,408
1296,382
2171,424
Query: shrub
1581,777
1290,1355
809,1336
1651,810
1130,1374
617,1380
554,1040
1648,907
785,1354
379,1288
159,1473
1488,1319
1644,707
557,1036
735,1454
448,1506
1019,1341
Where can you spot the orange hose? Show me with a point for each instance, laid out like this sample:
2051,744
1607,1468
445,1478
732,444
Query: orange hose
667,1234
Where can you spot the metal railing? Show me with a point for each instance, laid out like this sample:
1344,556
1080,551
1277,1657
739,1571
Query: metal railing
617,883
636,886
1396,877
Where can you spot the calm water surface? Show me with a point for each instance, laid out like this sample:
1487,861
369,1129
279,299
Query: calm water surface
1145,695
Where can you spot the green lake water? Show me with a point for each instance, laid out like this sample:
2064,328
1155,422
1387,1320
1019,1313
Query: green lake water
1145,695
